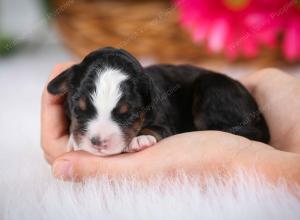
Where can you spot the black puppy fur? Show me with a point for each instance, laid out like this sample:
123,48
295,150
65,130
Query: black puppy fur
205,100
162,100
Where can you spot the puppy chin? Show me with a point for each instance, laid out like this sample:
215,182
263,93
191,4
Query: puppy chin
104,152
86,146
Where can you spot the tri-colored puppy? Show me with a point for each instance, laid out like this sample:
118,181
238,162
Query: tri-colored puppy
115,105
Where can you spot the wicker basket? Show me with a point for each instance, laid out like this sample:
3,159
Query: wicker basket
145,28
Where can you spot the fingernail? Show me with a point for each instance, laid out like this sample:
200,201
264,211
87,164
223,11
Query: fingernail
62,169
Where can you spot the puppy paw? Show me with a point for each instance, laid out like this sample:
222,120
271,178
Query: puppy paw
141,142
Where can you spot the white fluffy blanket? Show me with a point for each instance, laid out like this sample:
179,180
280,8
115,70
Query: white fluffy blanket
28,191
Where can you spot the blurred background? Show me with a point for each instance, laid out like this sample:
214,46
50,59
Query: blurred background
232,36
218,34
225,35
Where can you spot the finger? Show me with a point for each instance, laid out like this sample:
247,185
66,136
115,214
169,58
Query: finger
76,166
251,80
196,153
79,165
54,126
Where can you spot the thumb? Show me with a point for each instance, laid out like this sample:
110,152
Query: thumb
78,165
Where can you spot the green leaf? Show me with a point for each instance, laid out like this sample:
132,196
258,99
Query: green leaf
7,45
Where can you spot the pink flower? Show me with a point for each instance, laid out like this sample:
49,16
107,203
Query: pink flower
291,35
291,41
242,27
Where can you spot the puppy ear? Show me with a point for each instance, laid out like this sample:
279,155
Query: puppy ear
150,92
60,84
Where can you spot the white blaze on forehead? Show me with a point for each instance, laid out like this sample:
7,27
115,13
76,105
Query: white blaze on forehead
108,91
105,99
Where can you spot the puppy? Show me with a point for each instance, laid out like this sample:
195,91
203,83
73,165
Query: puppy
115,105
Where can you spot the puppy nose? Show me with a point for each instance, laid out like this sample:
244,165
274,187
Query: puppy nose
96,141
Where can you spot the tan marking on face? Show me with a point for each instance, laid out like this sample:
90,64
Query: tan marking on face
123,108
133,131
82,103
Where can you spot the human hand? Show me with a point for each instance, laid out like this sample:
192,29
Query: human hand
54,125
196,152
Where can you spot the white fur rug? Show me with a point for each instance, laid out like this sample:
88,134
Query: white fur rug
28,191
